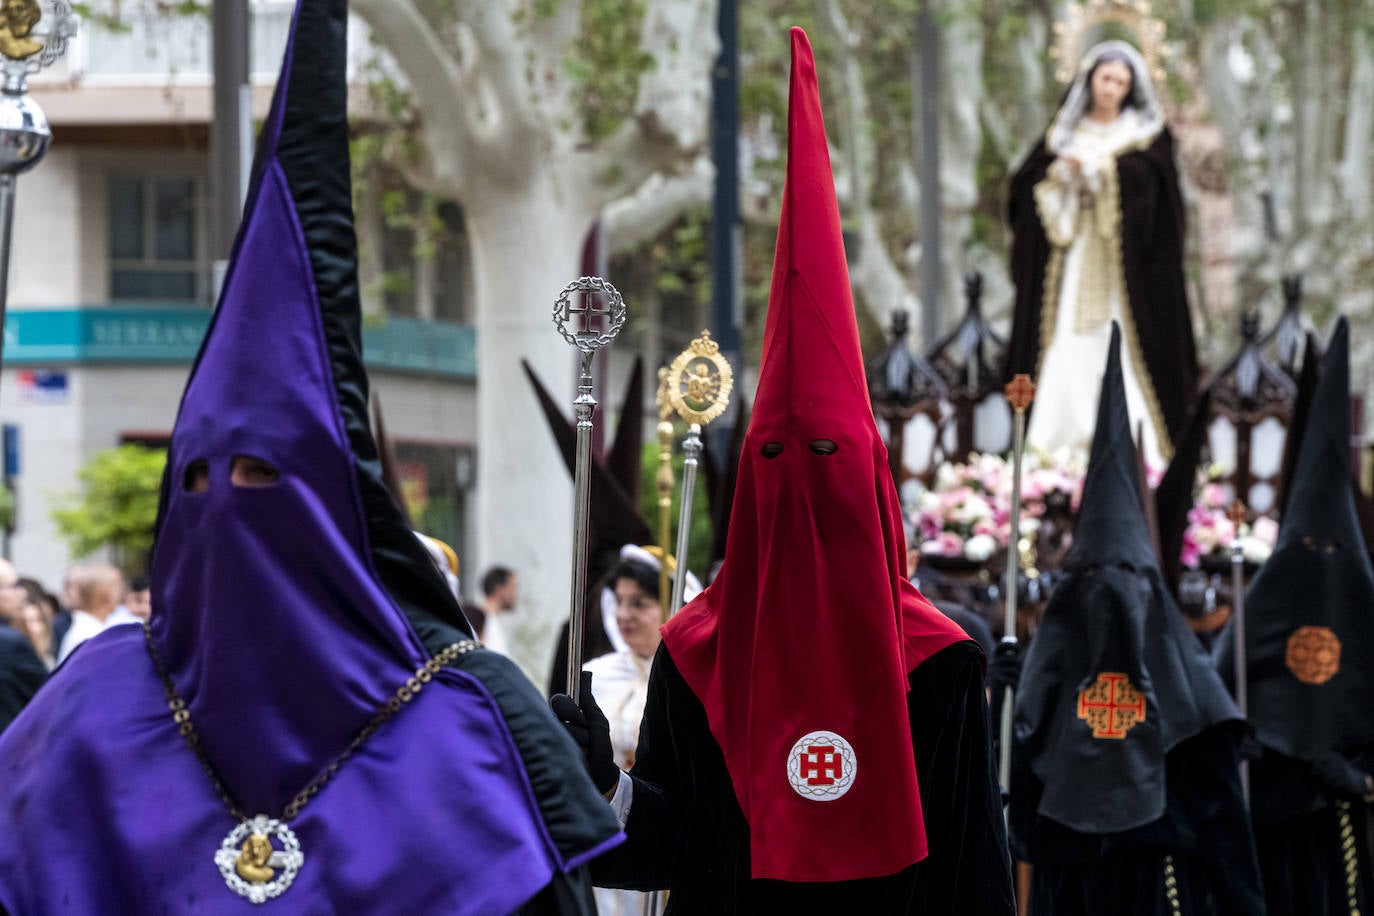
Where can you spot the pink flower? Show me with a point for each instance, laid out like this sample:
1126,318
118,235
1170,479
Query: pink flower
948,544
1213,496
1191,554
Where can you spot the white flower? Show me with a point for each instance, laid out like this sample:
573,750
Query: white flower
1255,549
979,547
973,509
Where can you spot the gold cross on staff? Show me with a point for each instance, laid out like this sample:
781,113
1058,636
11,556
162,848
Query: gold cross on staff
1020,391
1237,514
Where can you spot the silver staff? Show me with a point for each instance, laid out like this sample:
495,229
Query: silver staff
581,307
33,41
699,384
1020,392
1238,626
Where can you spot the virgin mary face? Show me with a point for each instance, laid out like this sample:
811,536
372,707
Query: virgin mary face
1111,84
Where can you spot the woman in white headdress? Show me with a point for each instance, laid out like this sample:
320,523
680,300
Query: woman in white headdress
1098,225
620,679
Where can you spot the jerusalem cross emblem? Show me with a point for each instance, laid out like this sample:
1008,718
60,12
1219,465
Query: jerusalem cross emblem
1111,705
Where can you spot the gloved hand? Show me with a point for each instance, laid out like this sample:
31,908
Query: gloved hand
1341,776
589,729
1004,668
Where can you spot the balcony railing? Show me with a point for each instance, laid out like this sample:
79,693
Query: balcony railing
158,50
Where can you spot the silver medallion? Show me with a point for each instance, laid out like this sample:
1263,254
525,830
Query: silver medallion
252,863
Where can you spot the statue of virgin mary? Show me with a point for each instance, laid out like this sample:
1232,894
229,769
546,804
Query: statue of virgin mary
1098,226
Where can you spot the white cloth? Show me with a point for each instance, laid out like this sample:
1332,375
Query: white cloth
620,684
494,635
1072,365
83,627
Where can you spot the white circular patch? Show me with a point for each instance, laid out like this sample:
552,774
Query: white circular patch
821,766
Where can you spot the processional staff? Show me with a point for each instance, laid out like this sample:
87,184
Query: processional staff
589,314
1237,514
1020,392
699,384
663,485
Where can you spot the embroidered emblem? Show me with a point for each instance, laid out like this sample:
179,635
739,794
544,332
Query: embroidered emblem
1314,654
821,766
1111,706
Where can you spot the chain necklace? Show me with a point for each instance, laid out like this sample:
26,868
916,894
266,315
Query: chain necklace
247,859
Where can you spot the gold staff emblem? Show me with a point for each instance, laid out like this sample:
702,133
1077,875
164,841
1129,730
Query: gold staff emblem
699,381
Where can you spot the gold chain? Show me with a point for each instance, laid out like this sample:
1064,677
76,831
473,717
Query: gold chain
1171,887
403,695
1350,855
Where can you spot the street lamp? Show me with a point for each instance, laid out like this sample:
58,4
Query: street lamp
31,41
968,360
1252,407
903,388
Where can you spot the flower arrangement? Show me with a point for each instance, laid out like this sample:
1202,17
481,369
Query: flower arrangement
967,511
1210,530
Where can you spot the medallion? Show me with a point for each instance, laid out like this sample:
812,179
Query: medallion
821,766
252,864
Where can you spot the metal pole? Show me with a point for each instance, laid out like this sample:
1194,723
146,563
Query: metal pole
575,314
727,303
1019,393
1238,629
7,189
663,484
230,60
925,73
691,448
584,406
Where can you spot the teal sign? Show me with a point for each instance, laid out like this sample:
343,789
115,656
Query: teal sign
101,334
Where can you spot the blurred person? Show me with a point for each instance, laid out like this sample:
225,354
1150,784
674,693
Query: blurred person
311,720
620,680
98,596
500,593
12,594
1126,795
36,624
22,672
139,598
1309,655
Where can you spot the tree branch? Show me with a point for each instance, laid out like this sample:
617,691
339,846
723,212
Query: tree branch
653,207
432,74
672,101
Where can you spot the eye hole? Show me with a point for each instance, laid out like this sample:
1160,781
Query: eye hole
197,477
772,449
247,471
823,446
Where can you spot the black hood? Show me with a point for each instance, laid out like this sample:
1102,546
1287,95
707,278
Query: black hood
1309,613
1112,636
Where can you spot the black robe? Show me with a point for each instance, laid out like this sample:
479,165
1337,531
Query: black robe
1302,830
21,674
1152,232
687,833
1201,842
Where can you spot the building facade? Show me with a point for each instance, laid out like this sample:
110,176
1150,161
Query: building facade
112,282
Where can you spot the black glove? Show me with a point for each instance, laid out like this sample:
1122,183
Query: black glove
1004,670
591,732
1340,775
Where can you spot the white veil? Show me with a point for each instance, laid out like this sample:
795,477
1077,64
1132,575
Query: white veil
1148,118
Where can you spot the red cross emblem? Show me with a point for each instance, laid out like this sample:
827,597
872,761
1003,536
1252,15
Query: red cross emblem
1111,706
821,764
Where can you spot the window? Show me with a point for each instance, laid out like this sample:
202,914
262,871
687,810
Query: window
157,249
